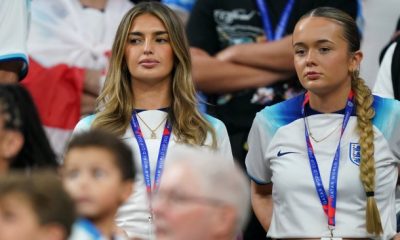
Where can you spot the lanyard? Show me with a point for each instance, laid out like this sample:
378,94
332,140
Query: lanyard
144,154
266,20
328,202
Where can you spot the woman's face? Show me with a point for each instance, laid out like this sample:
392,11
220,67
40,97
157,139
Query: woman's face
321,56
148,51
11,142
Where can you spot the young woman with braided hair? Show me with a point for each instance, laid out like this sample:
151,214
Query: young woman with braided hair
324,164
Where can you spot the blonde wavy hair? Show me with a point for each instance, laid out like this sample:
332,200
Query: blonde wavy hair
365,112
115,103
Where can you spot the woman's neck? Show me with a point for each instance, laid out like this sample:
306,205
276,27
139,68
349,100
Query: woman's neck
151,97
328,103
96,4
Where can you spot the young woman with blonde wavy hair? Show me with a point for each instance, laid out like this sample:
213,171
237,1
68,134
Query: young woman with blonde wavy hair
324,164
149,100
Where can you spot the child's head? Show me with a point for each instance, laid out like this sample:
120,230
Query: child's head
34,207
98,173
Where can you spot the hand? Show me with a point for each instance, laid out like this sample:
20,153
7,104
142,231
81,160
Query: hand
396,237
229,53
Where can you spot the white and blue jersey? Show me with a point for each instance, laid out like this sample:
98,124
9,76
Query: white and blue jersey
14,25
83,229
278,154
133,215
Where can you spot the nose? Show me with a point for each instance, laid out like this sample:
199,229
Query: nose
148,47
310,58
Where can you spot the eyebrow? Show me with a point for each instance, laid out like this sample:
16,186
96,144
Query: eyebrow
157,33
317,42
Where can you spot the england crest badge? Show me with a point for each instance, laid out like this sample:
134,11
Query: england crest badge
355,153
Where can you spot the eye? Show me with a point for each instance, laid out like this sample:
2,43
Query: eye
162,40
324,50
135,41
299,51
9,216
99,173
72,174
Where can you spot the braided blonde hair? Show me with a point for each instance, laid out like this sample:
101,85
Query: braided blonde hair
364,110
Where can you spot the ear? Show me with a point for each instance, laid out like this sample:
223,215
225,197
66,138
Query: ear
126,190
53,231
225,219
12,143
355,61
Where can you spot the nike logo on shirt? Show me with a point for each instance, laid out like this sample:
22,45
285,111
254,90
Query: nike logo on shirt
280,154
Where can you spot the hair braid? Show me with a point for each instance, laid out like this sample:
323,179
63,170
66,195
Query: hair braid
365,112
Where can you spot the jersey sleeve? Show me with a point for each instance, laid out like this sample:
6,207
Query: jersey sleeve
383,86
257,165
83,125
14,22
223,143
201,28
387,120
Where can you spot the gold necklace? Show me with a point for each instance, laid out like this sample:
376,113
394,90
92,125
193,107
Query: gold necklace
322,139
153,131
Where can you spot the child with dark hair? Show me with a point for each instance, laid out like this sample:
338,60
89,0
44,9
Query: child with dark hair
23,142
98,173
34,207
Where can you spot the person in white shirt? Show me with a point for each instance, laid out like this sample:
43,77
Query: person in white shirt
14,26
324,164
149,101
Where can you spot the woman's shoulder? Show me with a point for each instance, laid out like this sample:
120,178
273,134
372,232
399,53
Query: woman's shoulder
84,124
215,122
283,112
386,105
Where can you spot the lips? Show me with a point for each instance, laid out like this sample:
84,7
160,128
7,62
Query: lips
311,75
148,63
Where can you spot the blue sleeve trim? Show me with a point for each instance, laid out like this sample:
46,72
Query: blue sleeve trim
17,57
258,181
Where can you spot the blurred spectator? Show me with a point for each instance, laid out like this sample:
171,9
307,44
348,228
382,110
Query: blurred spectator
23,142
69,46
388,80
98,173
14,20
202,196
34,207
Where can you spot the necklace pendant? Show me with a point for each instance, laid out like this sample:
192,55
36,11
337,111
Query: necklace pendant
153,135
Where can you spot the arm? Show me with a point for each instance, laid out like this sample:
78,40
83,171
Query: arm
9,71
384,85
215,76
277,55
14,29
91,89
261,200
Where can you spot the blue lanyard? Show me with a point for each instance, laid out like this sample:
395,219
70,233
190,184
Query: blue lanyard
144,154
328,202
266,20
